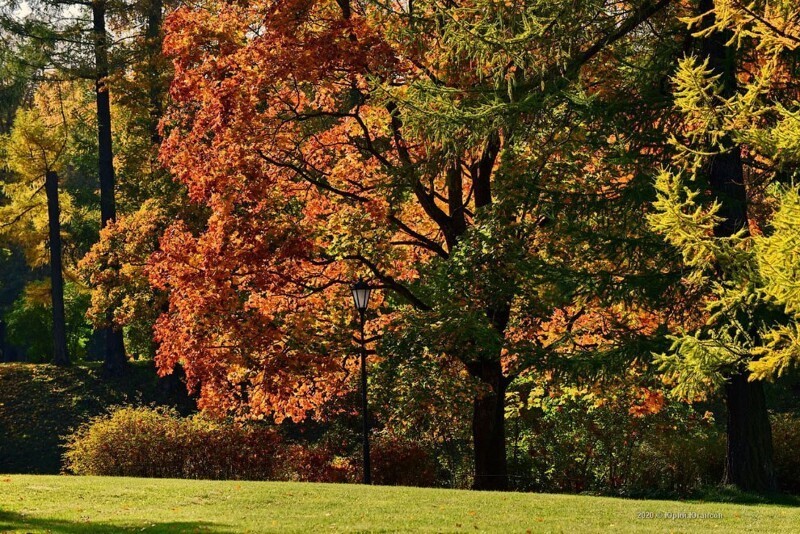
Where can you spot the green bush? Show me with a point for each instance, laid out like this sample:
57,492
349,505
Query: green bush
786,444
157,442
678,455
575,444
30,328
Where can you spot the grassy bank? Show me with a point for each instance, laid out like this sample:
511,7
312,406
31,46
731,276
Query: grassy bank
40,404
94,505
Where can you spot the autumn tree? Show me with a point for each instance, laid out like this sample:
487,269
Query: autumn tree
457,156
34,151
80,44
738,95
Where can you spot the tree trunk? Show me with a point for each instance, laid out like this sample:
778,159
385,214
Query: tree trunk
488,427
114,363
60,354
748,462
3,351
156,86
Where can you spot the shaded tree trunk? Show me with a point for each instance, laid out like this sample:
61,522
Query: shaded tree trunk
114,363
3,350
60,354
488,427
748,463
156,87
488,416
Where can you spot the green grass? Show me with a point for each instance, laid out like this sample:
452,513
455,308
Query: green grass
40,404
96,504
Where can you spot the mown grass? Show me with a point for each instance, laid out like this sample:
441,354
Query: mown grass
40,404
97,504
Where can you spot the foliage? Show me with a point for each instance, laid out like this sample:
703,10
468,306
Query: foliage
777,255
115,269
15,77
147,196
615,439
29,322
54,133
786,437
402,462
16,274
36,145
316,463
486,166
743,318
109,43
158,443
41,404
414,156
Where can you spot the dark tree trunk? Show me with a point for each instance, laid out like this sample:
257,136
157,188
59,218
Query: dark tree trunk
748,462
488,416
488,427
60,354
114,363
155,89
3,351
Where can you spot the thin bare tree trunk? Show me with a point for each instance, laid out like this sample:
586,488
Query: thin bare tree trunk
115,362
60,354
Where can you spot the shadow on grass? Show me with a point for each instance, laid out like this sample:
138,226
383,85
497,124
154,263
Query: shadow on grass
729,494
12,522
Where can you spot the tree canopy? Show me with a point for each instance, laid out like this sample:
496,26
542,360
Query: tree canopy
545,195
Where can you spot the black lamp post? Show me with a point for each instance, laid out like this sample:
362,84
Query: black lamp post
361,292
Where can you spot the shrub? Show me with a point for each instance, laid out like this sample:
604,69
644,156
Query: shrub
317,463
30,322
587,443
679,454
401,462
786,444
157,442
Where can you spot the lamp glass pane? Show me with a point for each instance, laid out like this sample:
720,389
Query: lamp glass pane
361,297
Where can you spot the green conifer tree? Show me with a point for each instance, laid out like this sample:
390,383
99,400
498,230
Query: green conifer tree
738,98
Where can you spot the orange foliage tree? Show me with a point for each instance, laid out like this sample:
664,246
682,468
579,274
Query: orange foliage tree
463,157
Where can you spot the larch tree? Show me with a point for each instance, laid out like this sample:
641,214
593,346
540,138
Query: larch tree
34,153
456,156
738,95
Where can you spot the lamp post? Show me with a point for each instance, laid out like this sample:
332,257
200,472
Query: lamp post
361,292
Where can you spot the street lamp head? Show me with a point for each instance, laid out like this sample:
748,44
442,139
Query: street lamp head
361,292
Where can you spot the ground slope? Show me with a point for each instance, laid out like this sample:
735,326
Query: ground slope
105,504
40,404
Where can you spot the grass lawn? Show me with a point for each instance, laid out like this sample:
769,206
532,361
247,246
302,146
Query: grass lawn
31,503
